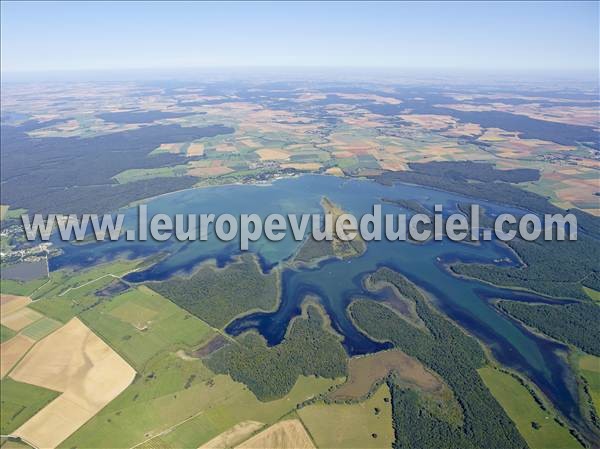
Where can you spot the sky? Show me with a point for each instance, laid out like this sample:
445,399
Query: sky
510,36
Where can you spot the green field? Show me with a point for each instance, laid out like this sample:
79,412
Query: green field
165,392
235,404
41,328
524,411
158,400
19,402
140,323
364,425
589,367
66,283
56,301
7,213
595,295
13,444
20,288
6,333
140,174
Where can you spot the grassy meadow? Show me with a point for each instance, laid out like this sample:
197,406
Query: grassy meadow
19,402
69,293
140,323
366,424
169,407
524,411
589,367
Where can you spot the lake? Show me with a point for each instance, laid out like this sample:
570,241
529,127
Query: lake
337,282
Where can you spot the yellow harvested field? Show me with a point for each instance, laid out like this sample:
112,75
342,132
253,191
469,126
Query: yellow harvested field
233,436
195,149
393,165
263,121
335,171
12,303
573,115
14,313
464,129
217,170
496,135
365,121
226,148
309,166
289,434
12,350
311,96
250,143
170,147
343,154
370,97
76,362
270,154
21,318
429,121
344,141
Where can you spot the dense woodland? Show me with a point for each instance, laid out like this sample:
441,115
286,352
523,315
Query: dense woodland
219,295
431,102
410,205
416,427
313,250
141,116
452,354
577,323
485,221
309,348
74,175
552,267
475,171
483,181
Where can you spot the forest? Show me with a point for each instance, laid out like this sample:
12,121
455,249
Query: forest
482,181
577,324
140,116
218,295
309,348
431,102
553,268
74,175
451,353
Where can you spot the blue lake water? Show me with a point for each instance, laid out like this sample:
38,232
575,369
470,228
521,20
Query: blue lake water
337,282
